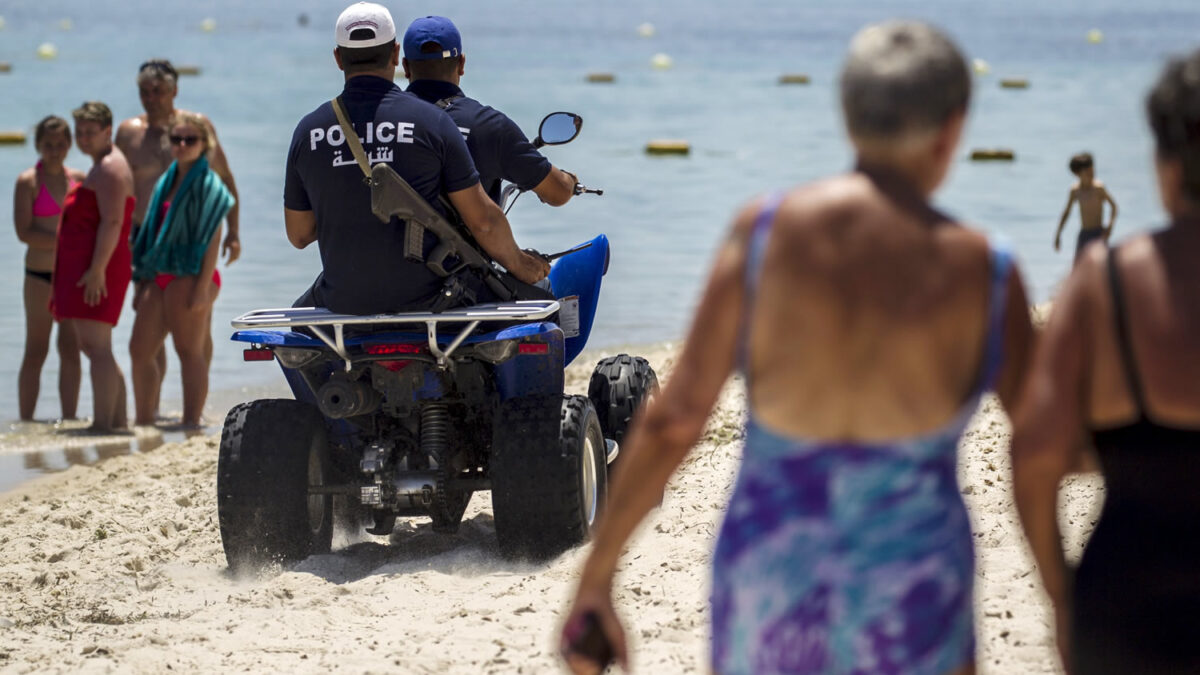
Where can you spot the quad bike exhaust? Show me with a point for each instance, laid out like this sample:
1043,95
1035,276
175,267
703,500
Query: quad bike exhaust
339,398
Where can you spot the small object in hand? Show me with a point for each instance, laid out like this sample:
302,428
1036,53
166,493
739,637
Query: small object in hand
584,637
537,254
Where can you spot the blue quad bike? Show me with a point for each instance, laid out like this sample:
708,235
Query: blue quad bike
402,415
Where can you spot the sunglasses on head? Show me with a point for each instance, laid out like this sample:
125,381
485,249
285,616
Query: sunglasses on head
185,140
159,66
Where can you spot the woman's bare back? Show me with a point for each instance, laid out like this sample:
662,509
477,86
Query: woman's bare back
869,316
1160,284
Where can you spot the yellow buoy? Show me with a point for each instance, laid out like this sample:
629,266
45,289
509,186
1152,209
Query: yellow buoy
187,70
668,147
47,51
661,61
793,78
992,154
5,67
981,67
1014,83
2,24
65,24
601,77
12,137
646,30
1094,36
208,25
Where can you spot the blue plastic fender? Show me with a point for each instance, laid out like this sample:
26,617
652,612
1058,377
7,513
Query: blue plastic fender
578,275
534,374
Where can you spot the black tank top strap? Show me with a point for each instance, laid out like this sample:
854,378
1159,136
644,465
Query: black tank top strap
755,251
1124,340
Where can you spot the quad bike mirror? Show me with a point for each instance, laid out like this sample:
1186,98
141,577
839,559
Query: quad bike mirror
558,128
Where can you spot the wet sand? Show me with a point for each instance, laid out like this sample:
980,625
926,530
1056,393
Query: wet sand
118,567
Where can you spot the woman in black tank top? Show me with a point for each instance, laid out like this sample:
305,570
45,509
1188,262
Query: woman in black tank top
1120,365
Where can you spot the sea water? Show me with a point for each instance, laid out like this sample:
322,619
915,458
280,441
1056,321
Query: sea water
265,64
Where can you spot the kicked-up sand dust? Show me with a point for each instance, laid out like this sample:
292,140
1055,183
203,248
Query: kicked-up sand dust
118,567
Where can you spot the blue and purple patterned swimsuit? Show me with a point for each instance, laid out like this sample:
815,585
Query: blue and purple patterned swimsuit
849,557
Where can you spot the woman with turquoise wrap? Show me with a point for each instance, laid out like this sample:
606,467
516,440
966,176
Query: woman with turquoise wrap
174,267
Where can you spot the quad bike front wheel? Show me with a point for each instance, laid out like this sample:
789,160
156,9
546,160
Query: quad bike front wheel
271,452
548,475
618,388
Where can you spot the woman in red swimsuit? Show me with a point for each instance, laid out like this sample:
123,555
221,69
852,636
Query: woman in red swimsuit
36,206
92,263
174,261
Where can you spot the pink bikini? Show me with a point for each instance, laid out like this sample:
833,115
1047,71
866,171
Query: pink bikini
44,206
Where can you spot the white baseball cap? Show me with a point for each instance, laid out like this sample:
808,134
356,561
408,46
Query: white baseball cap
364,24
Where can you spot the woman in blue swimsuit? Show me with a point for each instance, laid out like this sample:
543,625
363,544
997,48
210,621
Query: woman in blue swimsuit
870,326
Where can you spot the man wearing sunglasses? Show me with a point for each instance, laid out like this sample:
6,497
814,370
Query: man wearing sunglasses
364,266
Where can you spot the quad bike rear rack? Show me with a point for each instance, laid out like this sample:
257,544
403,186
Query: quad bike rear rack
317,319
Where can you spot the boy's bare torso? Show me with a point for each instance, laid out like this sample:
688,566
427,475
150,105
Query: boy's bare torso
1091,204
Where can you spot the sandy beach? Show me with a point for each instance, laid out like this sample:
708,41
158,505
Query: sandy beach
118,567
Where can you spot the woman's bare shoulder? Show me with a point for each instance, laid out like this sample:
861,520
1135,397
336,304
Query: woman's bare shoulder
116,166
822,200
27,178
959,234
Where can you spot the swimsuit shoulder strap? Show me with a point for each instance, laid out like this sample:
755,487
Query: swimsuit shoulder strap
1124,341
1001,259
755,251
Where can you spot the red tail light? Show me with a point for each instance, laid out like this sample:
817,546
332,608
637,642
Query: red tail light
394,366
533,348
383,350
257,354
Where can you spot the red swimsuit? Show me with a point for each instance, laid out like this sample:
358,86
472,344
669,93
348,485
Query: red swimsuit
76,242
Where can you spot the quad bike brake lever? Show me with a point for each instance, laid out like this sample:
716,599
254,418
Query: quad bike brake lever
581,189
551,257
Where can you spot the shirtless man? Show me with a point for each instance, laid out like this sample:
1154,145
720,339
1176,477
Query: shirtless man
143,140
1091,195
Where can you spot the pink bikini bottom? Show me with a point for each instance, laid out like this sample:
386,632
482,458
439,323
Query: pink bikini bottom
163,279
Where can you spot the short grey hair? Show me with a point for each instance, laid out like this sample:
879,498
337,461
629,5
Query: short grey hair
902,78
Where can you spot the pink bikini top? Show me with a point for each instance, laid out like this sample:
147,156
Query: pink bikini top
44,205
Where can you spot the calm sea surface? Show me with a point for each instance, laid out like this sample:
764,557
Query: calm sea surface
262,69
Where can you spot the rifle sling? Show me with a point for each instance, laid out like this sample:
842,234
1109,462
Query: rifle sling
414,235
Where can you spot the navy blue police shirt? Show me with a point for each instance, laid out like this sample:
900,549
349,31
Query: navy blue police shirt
364,268
498,146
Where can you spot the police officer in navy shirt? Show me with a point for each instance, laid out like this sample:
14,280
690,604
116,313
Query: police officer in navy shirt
434,63
364,270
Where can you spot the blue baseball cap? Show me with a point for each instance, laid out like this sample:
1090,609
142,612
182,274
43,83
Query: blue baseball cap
436,29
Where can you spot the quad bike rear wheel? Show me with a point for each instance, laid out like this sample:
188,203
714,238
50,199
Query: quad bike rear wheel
271,452
548,475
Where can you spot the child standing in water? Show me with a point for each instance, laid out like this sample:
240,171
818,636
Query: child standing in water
1091,195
